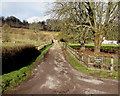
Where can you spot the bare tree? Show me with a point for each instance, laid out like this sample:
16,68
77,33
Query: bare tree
94,16
100,15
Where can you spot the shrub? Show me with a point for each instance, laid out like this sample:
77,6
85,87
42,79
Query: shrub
14,78
92,46
16,57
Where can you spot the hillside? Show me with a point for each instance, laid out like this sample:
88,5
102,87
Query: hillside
20,36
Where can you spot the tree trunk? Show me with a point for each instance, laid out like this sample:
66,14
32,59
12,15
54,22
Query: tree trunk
82,43
97,43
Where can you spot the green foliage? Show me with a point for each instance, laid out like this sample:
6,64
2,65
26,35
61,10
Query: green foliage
43,51
74,45
92,46
81,68
14,78
108,61
109,47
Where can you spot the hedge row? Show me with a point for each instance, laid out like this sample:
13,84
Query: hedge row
92,47
14,78
16,57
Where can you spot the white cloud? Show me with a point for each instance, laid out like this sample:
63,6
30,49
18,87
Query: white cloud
25,10
37,19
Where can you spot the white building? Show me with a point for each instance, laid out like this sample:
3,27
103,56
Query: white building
109,42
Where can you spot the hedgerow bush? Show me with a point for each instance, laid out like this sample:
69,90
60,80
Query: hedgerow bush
16,57
14,78
107,49
92,46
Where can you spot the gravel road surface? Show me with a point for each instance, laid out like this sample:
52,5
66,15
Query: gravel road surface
54,75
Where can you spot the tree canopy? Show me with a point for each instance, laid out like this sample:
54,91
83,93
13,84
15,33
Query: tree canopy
82,20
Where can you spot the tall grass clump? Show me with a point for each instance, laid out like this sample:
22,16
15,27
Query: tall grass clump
16,57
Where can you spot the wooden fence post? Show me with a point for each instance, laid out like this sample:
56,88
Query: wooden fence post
112,64
88,59
82,56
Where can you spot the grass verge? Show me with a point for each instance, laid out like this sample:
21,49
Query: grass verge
14,78
95,73
12,44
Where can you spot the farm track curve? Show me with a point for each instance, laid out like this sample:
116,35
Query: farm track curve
54,75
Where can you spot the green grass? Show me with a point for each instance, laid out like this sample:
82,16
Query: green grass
105,46
61,45
12,44
96,73
15,44
27,36
93,44
108,61
14,78
43,52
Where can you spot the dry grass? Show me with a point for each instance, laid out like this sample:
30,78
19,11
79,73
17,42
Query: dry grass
28,36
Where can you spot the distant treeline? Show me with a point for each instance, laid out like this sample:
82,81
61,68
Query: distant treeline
13,22
48,25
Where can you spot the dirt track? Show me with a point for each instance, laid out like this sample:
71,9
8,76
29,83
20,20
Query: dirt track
54,75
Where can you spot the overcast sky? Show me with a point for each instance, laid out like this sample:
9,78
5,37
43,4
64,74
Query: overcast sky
26,10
